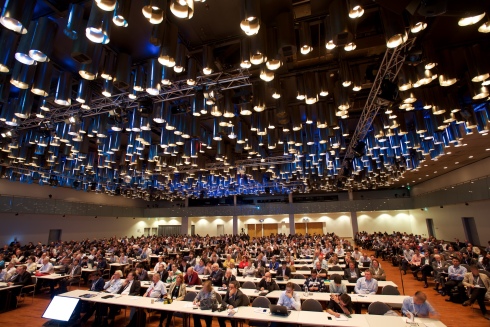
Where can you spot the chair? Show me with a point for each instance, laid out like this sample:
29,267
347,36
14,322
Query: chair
378,308
304,268
106,273
260,302
79,280
249,285
311,305
246,301
466,266
189,297
390,290
299,276
296,287
27,290
336,268
481,271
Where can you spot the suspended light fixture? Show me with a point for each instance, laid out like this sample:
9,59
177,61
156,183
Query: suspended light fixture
99,25
259,96
395,33
207,60
191,72
108,66
485,27
322,83
16,15
265,74
106,5
276,89
22,52
273,60
8,40
63,90
154,10
90,71
75,17
42,42
471,18
246,109
417,24
355,9
478,67
22,75
329,41
168,47
42,79
153,77
245,53
258,46
356,79
123,71
311,93
182,8
305,38
250,16
345,74
180,59
121,13
300,88
24,106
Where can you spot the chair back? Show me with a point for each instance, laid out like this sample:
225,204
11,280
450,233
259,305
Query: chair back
190,296
249,285
335,268
390,290
378,308
311,305
299,276
296,287
219,298
261,302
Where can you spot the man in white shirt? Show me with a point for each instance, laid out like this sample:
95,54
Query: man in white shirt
47,267
157,288
115,283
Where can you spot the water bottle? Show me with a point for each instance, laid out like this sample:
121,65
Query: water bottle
306,291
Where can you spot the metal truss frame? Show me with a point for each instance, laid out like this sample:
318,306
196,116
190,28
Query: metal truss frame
179,89
390,67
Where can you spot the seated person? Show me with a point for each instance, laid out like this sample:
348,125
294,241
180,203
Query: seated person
191,277
162,272
320,271
176,292
157,288
313,283
131,287
199,268
477,284
290,298
417,306
140,273
216,276
284,271
438,267
234,298
114,284
21,277
366,284
204,300
376,271
228,277
172,274
273,264
336,285
267,283
229,259
31,265
339,304
159,262
456,274
352,273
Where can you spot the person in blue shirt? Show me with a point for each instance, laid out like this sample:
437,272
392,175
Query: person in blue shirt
289,298
417,306
366,284
274,264
456,274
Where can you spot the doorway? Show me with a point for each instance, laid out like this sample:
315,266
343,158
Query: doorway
470,230
430,227
54,235
220,229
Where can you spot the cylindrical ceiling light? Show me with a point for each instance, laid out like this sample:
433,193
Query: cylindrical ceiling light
345,74
42,42
106,5
16,15
258,48
8,41
167,75
154,10
121,13
207,60
246,109
89,71
63,90
305,38
24,106
83,94
108,66
417,24
229,108
108,88
182,8
355,9
22,75
198,103
153,77
395,32
191,72
311,92
477,64
99,25
42,79
244,53
22,52
276,89
300,88
265,74
259,96
75,17
168,47
485,27
123,71
180,58
471,17
273,60
329,41
139,78
250,16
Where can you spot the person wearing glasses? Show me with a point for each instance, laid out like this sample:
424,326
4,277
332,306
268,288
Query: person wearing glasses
233,299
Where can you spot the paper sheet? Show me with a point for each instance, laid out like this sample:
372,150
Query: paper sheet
342,318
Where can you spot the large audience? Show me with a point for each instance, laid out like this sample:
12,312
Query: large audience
458,269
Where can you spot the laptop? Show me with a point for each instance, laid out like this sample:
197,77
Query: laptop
366,264
279,310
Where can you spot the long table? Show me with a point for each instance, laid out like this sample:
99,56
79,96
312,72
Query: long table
251,313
